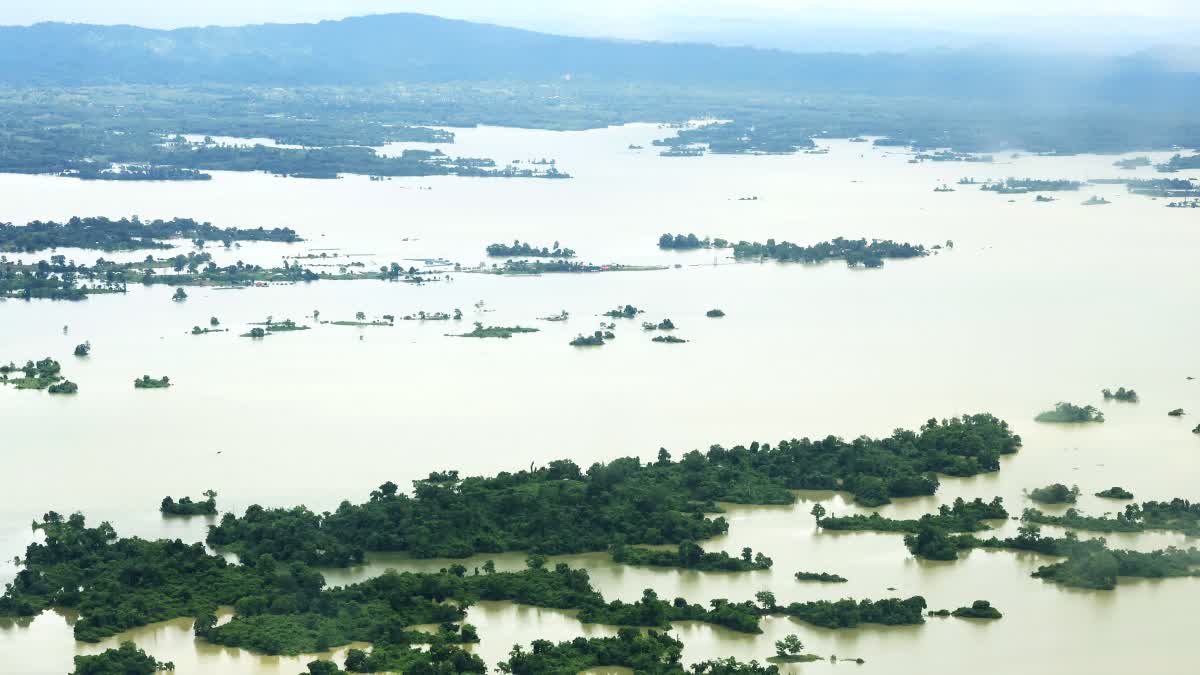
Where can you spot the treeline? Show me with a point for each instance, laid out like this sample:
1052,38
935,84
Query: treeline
690,556
1023,185
690,241
854,251
1087,564
560,508
962,516
127,234
519,248
1177,515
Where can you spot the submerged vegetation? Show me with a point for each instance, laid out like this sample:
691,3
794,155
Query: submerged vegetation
41,374
186,507
1121,394
1177,515
147,382
127,234
689,556
1115,493
824,577
980,609
127,659
1056,493
855,252
495,331
624,501
690,241
519,248
1069,413
962,516
596,339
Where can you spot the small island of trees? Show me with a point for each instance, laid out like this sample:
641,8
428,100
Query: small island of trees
824,577
495,331
856,252
1115,493
83,349
1069,413
1121,394
714,314
147,382
596,339
186,507
1178,412
683,242
127,659
980,609
668,339
519,249
43,374
690,556
1055,493
626,312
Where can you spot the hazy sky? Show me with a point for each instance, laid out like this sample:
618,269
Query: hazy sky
170,13
858,24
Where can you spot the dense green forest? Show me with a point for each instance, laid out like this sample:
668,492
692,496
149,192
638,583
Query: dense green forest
689,556
519,248
559,508
127,234
961,516
127,659
1177,515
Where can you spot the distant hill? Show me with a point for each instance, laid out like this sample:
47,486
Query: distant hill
421,48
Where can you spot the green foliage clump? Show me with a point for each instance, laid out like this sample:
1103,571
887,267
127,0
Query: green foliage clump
1178,412
1115,492
714,313
1121,394
34,375
594,340
980,609
64,387
962,516
691,557
127,659
854,251
83,349
825,577
496,331
560,508
186,507
849,614
654,653
147,382
626,312
1069,413
125,234
1055,493
519,248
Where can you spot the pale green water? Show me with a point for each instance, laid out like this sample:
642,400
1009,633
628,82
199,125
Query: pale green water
1037,303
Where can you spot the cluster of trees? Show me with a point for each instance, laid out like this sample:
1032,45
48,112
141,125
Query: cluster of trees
980,609
690,556
480,331
147,382
1121,394
519,248
651,653
559,508
186,507
962,516
596,339
854,251
1055,493
714,313
1069,413
1023,185
669,339
1115,492
42,374
824,577
690,241
1177,515
127,659
127,234
1087,564
626,312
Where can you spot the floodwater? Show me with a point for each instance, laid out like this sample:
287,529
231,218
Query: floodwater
1036,303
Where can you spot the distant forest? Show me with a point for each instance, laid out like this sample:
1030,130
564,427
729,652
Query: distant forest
115,94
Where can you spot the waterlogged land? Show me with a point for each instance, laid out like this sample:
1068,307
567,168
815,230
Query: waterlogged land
801,353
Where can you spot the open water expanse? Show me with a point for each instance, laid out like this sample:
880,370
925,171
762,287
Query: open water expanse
1035,303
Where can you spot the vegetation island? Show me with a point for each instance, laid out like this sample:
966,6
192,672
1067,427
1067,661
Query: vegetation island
690,241
83,349
1177,515
665,324
147,382
34,375
690,556
1017,186
127,234
626,312
980,609
518,249
961,516
1121,394
1115,493
58,279
558,266
186,507
561,316
1132,162
714,313
1055,493
668,339
824,577
495,331
1178,412
791,650
1095,201
1068,413
596,339
127,659
433,316
855,252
